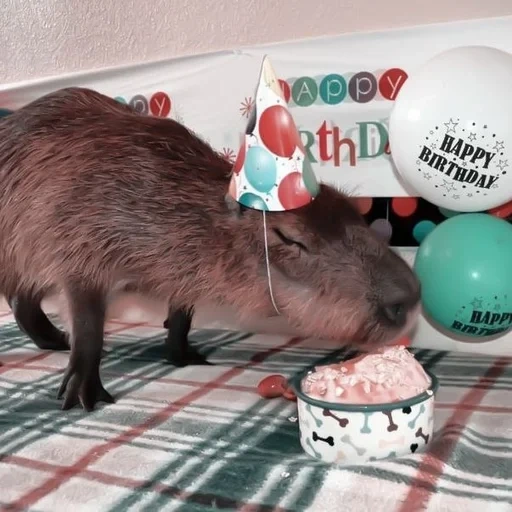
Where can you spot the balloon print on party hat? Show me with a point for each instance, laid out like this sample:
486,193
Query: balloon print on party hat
271,171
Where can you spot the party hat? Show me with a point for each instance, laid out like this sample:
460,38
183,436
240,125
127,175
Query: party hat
272,171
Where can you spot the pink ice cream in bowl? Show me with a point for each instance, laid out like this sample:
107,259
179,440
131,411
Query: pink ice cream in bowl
372,407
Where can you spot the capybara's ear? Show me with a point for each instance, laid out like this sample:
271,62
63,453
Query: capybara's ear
233,205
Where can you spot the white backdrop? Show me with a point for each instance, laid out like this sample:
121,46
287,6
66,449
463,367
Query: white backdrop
346,134
341,92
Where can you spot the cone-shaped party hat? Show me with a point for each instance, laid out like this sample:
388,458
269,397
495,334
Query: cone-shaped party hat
272,171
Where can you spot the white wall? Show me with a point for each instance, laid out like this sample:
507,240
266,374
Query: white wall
49,37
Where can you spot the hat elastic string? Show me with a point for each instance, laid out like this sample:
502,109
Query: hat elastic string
267,261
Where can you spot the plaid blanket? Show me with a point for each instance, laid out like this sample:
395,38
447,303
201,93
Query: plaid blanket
197,439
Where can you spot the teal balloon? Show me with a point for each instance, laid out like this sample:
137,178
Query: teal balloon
260,169
448,213
253,201
465,269
422,229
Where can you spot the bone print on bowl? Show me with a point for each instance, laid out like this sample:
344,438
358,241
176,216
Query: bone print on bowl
350,433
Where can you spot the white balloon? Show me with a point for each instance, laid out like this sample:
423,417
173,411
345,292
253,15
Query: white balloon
450,129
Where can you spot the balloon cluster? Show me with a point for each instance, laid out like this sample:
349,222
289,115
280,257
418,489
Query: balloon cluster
451,142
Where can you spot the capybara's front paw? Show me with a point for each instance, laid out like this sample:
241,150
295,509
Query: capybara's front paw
58,342
181,359
82,389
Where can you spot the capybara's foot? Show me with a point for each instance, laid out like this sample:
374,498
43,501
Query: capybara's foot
84,390
178,350
180,359
57,344
82,383
33,322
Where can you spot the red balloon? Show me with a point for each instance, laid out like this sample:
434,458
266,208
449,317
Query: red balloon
503,212
292,192
240,159
278,131
272,386
404,206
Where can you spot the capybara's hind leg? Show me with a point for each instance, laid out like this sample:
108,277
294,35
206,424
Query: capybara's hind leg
82,382
178,349
33,322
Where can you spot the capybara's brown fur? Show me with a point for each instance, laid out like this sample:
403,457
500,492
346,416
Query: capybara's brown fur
26,307
95,197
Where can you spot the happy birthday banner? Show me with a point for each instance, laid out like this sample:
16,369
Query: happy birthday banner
340,91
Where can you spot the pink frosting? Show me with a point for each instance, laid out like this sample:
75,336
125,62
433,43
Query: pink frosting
388,375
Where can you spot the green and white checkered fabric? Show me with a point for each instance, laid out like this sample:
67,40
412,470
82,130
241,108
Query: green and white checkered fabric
200,438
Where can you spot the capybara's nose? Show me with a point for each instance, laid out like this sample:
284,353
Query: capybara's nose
397,303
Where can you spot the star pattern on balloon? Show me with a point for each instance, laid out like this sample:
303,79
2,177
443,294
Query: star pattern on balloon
502,164
448,186
498,146
450,126
477,303
451,182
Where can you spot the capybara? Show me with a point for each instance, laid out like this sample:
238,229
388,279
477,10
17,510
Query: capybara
97,199
26,307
